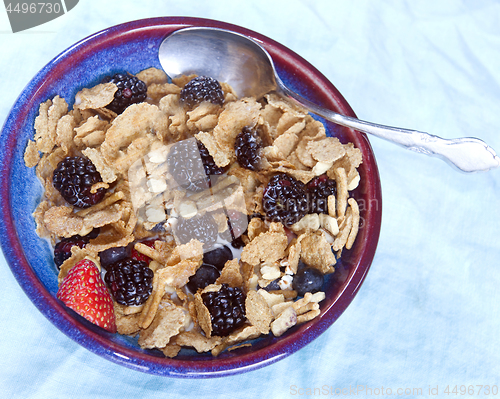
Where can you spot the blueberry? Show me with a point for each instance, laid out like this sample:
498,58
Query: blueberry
112,255
205,275
273,286
301,266
218,256
307,280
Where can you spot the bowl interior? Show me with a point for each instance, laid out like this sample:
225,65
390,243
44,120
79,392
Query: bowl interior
133,47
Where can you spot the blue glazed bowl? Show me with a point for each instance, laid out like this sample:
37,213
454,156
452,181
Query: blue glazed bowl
133,47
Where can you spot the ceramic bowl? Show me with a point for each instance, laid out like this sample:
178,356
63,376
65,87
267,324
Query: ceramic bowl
133,47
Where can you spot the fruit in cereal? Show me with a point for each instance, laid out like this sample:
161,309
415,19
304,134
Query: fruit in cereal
186,166
208,162
202,88
130,281
135,254
74,178
238,243
191,164
112,255
307,279
205,275
202,228
84,291
227,309
273,285
62,250
218,256
319,189
237,224
193,275
285,199
131,90
247,147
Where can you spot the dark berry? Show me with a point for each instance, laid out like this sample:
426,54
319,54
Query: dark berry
202,88
238,243
188,165
130,281
93,234
307,279
131,90
319,189
218,256
273,286
209,164
237,223
227,309
112,255
201,228
285,199
301,266
205,275
247,147
62,249
74,177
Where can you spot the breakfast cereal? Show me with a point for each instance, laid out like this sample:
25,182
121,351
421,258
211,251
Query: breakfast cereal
162,184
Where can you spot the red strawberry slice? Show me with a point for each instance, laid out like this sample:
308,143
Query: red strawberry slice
84,291
138,256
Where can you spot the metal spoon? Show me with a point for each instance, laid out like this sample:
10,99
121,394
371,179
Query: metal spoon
249,69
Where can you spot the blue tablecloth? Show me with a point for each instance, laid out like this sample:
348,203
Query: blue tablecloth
427,316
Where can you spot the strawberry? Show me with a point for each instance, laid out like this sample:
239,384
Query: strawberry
84,291
138,256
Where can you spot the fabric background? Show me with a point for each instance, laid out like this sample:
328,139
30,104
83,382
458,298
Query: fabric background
427,315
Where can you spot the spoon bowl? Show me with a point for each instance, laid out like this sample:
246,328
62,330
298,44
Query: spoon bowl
223,55
134,47
243,63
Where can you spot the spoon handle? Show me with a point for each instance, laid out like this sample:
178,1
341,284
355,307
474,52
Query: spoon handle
468,154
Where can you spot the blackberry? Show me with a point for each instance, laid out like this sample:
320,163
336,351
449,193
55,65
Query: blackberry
185,167
247,147
227,309
131,90
238,243
237,225
307,279
202,88
209,164
319,189
285,199
62,249
93,234
130,281
74,177
218,256
205,275
202,228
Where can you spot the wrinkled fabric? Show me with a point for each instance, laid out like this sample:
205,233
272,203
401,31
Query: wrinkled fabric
427,315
